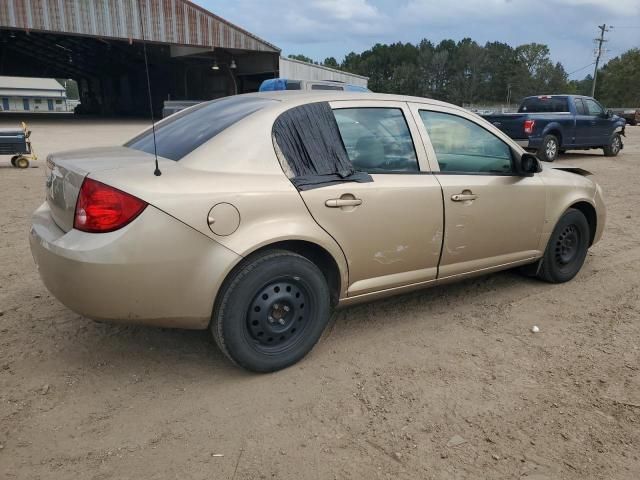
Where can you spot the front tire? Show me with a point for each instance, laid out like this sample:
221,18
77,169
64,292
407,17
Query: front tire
21,162
567,248
271,311
550,148
614,147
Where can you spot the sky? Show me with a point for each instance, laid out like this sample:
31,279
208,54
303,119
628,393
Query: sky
333,28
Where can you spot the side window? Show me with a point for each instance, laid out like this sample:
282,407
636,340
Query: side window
377,140
462,146
580,108
593,107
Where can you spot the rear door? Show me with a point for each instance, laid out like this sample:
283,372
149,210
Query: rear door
492,216
584,124
390,229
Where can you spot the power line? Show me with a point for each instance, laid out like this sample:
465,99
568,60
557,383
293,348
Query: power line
603,28
581,68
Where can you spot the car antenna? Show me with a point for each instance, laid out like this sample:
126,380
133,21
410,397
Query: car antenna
157,171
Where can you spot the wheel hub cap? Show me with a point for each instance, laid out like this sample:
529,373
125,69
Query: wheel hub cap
278,314
551,149
567,245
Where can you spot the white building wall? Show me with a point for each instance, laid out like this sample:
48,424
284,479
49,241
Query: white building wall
297,70
17,104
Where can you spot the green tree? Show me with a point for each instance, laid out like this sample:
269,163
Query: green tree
71,87
302,58
331,62
617,83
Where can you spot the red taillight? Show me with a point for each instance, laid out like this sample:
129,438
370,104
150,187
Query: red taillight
528,126
101,208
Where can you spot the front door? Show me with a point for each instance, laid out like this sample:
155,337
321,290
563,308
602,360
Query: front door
492,217
584,124
5,104
50,104
390,229
25,103
601,128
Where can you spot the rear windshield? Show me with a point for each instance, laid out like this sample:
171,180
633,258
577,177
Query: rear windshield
185,131
544,104
324,86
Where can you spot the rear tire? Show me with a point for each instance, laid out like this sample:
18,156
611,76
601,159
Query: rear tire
22,162
271,311
550,148
614,147
567,248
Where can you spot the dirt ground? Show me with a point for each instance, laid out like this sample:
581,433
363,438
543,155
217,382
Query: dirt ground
446,383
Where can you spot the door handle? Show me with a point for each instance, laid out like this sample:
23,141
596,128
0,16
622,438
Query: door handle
343,202
463,197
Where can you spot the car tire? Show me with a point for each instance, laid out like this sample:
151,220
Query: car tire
271,311
22,162
550,148
567,248
614,147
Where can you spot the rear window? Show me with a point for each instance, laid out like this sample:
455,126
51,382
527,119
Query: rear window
544,104
324,86
185,131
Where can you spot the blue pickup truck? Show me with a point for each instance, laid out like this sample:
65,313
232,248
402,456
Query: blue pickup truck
553,124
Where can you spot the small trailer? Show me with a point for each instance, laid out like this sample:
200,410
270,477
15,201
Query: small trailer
16,142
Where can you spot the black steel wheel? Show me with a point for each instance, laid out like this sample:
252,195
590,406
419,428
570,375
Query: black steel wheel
567,248
271,311
277,317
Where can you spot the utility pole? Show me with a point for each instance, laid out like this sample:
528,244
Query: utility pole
603,28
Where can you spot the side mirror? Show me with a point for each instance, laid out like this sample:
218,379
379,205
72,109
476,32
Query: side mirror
608,114
528,165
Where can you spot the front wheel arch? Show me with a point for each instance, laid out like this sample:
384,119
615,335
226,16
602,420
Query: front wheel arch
589,212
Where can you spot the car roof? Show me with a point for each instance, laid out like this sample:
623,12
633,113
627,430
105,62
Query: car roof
298,97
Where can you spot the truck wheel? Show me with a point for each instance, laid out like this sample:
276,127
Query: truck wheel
13,160
22,162
271,311
550,148
567,248
614,146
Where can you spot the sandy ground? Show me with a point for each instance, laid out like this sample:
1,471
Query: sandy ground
447,383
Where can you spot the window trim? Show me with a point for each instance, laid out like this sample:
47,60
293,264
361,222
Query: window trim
424,165
416,108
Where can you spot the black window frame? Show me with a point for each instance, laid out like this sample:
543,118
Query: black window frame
580,101
511,173
413,140
603,110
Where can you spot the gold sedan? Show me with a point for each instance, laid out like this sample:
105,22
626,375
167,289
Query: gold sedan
272,209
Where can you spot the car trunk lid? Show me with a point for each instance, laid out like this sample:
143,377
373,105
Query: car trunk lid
65,172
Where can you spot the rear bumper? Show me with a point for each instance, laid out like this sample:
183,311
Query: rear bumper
155,271
532,143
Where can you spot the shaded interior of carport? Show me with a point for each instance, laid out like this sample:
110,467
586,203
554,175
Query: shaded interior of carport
186,64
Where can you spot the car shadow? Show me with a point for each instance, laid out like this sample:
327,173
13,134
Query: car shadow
130,348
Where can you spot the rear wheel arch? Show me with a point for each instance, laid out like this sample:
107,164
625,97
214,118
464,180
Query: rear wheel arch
313,252
556,133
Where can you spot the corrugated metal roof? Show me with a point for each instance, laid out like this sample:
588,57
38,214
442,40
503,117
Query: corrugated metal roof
177,22
30,83
296,69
